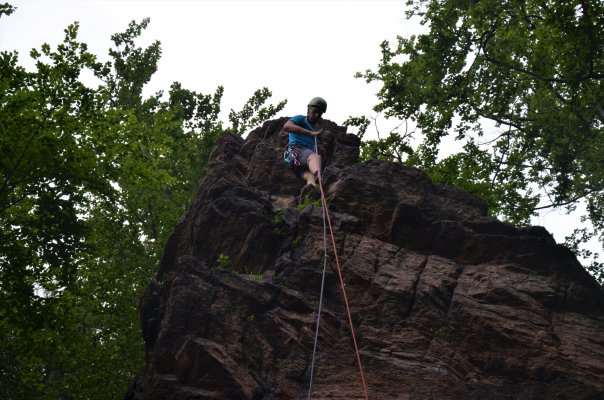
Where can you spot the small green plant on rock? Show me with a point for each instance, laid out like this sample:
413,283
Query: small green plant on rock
277,217
440,332
297,241
256,277
247,272
307,201
222,260
276,221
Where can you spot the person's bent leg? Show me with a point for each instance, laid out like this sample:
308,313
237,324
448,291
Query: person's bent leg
311,162
314,164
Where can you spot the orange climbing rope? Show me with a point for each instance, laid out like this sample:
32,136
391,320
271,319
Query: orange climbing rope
343,286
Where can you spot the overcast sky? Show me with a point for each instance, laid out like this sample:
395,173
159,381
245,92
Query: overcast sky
298,49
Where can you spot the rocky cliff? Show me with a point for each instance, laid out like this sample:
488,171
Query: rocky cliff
446,302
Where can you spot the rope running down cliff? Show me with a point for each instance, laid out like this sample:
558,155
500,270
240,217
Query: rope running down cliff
342,285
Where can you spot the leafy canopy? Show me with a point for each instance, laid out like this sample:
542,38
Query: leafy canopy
92,181
521,83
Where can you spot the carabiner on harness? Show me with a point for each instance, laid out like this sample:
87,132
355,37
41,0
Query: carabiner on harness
290,158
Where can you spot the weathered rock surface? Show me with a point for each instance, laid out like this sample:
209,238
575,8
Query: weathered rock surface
447,303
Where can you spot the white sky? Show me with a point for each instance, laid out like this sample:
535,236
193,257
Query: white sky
298,49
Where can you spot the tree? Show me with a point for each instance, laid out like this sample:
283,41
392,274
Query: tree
92,182
530,71
253,112
52,170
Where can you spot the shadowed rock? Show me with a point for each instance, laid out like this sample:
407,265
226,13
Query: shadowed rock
447,302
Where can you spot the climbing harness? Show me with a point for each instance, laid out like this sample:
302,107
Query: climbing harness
290,157
333,241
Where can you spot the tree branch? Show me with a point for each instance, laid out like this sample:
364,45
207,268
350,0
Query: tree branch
554,204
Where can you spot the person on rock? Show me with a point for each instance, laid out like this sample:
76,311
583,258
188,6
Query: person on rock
301,148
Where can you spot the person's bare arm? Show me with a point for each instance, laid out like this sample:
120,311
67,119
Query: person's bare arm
291,127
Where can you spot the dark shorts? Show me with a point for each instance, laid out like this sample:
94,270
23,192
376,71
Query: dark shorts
303,154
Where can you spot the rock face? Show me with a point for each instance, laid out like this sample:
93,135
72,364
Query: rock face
446,302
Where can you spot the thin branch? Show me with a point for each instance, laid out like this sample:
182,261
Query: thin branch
499,119
15,202
554,204
501,158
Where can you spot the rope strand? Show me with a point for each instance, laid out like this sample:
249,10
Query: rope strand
343,287
314,350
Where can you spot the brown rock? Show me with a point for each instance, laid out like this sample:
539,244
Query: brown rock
446,302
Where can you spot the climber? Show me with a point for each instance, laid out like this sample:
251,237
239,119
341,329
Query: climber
300,154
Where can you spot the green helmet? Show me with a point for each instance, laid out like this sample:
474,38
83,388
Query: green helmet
318,102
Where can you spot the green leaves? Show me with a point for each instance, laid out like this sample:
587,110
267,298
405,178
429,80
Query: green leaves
253,113
532,72
6,9
48,169
92,182
52,175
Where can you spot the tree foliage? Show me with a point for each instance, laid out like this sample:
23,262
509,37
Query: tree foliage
6,9
521,83
92,182
253,111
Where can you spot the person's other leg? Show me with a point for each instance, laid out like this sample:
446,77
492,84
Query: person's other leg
311,161
314,164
